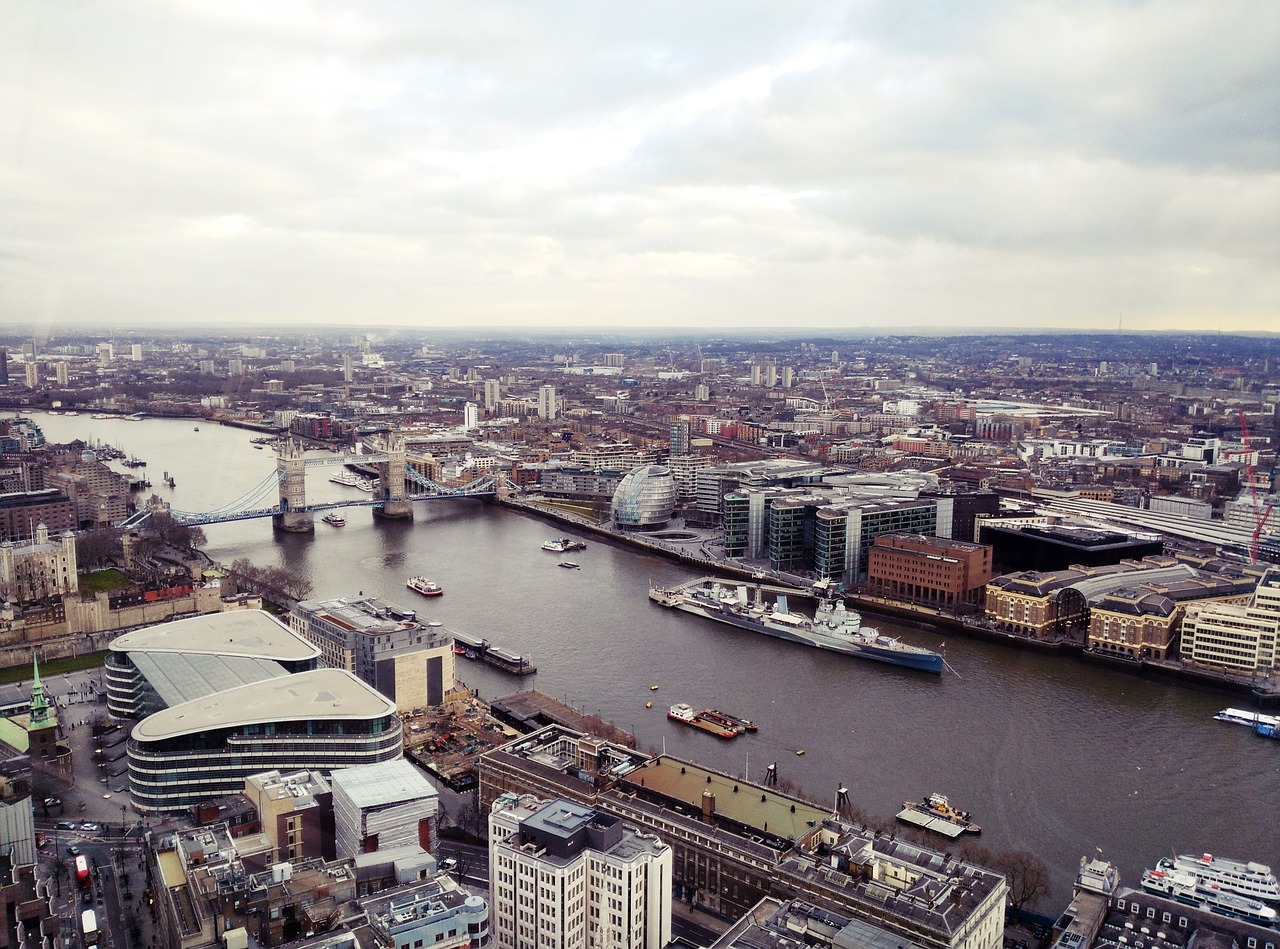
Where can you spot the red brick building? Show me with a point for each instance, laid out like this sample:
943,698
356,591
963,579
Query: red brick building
931,570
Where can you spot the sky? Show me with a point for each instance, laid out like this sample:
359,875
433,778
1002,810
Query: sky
1088,164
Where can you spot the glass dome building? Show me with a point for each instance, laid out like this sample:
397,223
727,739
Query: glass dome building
645,499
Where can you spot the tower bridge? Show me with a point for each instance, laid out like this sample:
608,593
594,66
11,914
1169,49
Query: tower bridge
391,497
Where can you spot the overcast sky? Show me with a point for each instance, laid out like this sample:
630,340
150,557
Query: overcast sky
726,164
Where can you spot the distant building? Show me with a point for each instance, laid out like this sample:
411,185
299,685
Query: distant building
565,875
492,394
548,407
470,416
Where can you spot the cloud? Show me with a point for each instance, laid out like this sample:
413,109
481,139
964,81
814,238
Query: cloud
836,164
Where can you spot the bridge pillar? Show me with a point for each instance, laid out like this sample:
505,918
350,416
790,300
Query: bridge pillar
391,487
292,516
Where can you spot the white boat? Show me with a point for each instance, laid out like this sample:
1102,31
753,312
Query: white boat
563,545
1254,880
424,586
345,478
570,565
1240,716
334,518
1186,887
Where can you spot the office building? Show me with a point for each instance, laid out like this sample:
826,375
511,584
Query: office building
384,806
1239,638
383,644
572,877
321,720
492,394
933,571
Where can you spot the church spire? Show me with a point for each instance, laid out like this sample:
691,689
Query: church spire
39,703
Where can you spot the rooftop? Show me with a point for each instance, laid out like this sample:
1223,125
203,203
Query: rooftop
390,782
303,696
251,634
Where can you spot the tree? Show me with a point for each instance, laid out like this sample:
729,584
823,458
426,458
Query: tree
1027,874
96,548
277,584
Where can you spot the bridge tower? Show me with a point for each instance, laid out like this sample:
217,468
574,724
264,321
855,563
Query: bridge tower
292,515
391,487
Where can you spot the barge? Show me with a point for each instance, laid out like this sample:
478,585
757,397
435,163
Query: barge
701,720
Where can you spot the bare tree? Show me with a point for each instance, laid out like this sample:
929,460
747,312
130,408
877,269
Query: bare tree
1027,874
96,548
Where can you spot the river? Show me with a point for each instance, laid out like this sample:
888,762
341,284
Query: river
1050,754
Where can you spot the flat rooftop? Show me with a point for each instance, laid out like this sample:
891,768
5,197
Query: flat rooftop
304,696
751,805
388,782
252,634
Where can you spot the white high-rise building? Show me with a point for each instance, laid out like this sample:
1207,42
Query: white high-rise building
492,394
565,875
470,416
548,408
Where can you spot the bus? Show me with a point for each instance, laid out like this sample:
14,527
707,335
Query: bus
88,928
82,872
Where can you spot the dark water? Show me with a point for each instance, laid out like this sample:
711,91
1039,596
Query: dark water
1049,754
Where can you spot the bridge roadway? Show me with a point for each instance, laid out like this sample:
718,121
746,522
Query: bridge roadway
479,488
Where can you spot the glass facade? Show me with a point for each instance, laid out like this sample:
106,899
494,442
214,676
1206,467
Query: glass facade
645,499
171,774
737,524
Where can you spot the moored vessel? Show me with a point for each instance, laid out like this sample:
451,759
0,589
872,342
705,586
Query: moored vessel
1185,887
833,627
1240,716
1246,878
424,586
561,545
681,712
936,813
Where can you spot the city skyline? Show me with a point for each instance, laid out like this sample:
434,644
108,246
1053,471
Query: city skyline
839,167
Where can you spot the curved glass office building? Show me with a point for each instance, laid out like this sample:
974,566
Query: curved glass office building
321,720
223,696
645,499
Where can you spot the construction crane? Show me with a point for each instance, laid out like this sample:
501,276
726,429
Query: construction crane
1260,516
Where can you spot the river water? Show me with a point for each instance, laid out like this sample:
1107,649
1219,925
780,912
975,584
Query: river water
1048,753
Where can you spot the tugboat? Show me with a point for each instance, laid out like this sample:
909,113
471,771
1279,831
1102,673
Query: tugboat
936,813
424,586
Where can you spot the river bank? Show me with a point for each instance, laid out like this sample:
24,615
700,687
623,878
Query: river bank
922,617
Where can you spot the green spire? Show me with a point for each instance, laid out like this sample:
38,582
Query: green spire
39,703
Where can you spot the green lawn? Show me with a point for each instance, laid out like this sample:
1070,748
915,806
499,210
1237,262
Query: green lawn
100,581
90,660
